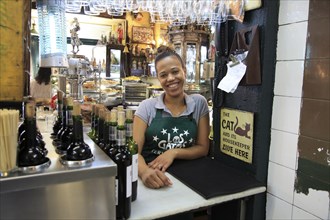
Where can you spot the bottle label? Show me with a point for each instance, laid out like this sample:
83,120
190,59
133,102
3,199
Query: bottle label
134,167
129,181
129,129
112,132
60,109
69,118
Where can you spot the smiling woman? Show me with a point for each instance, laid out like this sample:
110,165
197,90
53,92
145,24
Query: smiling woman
171,126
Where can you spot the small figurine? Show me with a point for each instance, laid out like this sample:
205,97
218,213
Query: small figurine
75,41
120,33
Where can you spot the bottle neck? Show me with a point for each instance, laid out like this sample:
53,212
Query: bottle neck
112,131
31,131
60,110
64,116
100,128
77,129
106,132
121,136
69,120
129,128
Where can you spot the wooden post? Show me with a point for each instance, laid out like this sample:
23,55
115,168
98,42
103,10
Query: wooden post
14,50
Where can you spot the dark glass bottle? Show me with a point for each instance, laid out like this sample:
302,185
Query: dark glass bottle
58,123
133,149
92,131
96,123
29,153
111,148
78,149
123,160
66,137
57,140
100,131
106,131
22,127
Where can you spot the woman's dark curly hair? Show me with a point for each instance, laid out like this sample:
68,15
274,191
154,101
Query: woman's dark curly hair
43,75
164,51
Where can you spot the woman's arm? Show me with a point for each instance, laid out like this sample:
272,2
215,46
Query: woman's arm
200,149
152,178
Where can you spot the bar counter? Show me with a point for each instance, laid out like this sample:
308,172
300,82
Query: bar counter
61,192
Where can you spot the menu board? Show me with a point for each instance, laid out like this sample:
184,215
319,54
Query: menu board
11,50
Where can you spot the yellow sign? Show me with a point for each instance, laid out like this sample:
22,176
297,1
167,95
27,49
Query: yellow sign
236,134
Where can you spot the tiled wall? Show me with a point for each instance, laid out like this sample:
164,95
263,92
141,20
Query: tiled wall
300,120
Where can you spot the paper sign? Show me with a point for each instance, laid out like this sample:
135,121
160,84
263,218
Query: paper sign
234,75
236,134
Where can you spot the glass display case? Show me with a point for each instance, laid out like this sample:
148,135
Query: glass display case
192,44
115,65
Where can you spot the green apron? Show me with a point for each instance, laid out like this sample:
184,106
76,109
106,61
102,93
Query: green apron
166,133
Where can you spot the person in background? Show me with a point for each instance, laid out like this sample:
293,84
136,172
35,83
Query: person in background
41,87
171,126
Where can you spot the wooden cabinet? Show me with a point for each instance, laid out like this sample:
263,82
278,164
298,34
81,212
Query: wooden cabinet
139,65
192,44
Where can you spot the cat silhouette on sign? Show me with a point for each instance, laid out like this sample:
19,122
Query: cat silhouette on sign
242,131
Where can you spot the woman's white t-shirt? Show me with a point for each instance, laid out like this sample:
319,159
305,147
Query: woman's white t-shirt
40,90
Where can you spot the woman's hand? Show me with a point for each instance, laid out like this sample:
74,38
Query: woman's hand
163,161
154,178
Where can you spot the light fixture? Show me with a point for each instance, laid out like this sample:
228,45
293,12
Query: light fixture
52,33
125,50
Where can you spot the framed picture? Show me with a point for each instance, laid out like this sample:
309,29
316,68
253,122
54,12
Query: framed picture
142,35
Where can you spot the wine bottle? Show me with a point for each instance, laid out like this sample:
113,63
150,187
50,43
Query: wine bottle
133,149
96,123
29,153
66,137
123,160
106,131
111,148
100,126
58,123
78,149
92,131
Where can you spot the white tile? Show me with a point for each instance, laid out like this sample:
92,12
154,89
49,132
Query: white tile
291,42
293,11
286,114
316,202
281,182
277,208
283,148
289,78
299,214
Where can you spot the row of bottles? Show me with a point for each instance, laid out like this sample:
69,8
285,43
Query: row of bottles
112,131
67,133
